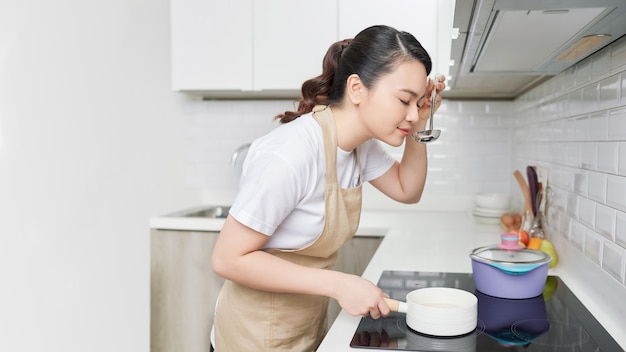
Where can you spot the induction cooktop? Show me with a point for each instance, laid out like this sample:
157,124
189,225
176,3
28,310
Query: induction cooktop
553,321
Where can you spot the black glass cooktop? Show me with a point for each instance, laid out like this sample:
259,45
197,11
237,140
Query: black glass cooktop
553,321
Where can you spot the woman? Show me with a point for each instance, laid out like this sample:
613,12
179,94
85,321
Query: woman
300,194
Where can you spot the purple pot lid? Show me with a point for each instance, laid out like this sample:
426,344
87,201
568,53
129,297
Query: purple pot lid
493,254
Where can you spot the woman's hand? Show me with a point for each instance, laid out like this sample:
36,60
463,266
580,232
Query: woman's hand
360,297
424,110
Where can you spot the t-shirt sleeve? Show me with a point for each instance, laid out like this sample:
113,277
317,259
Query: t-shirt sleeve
375,160
269,189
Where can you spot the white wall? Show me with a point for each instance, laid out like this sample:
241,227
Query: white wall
91,145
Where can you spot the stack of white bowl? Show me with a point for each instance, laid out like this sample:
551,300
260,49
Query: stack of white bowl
489,207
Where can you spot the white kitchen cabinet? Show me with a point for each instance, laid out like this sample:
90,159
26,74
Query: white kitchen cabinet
183,290
246,48
412,16
290,40
429,21
245,45
211,45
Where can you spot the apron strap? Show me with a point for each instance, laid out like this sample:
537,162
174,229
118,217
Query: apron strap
324,116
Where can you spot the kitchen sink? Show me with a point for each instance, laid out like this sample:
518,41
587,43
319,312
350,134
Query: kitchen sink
214,212
207,211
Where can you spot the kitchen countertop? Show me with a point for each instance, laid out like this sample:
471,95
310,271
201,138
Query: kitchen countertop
373,223
439,241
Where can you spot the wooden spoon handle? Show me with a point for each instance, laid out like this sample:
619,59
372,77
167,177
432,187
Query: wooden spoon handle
525,191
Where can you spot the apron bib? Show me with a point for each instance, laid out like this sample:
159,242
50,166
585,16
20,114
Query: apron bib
247,319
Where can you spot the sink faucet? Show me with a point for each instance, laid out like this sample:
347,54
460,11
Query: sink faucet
243,149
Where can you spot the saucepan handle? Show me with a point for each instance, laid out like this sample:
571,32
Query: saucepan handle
395,305
517,269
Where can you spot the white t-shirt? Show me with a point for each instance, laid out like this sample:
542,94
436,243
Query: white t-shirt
281,191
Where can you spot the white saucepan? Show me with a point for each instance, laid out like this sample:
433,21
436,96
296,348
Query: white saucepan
438,311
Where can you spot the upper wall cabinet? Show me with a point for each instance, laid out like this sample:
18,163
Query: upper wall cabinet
290,40
430,21
245,47
211,43
268,48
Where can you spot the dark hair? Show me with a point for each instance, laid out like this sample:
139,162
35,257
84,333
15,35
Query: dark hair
375,51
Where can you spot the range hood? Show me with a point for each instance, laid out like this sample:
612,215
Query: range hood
506,47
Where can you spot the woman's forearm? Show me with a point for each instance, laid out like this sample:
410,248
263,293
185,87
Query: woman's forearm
252,267
413,169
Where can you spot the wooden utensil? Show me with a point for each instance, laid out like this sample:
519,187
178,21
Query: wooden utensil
525,191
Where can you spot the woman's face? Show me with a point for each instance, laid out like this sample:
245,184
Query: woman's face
389,110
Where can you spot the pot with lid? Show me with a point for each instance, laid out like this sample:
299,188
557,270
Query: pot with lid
509,272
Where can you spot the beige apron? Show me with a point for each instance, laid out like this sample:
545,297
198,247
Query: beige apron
253,320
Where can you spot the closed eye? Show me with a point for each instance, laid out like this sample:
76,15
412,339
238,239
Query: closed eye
420,102
405,102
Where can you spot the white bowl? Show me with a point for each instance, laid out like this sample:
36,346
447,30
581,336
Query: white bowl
442,311
486,220
492,201
489,213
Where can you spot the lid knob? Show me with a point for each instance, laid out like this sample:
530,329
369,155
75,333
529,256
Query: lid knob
510,242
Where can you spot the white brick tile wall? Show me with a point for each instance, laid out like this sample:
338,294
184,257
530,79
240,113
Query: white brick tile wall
616,192
577,234
600,64
587,211
581,129
573,153
597,186
623,88
583,73
581,182
605,221
589,155
572,205
473,133
621,159
216,129
598,126
590,97
607,157
593,246
613,259
609,92
617,124
618,55
575,102
585,153
620,229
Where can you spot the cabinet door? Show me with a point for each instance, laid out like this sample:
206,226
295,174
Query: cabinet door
183,290
418,17
211,44
290,40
